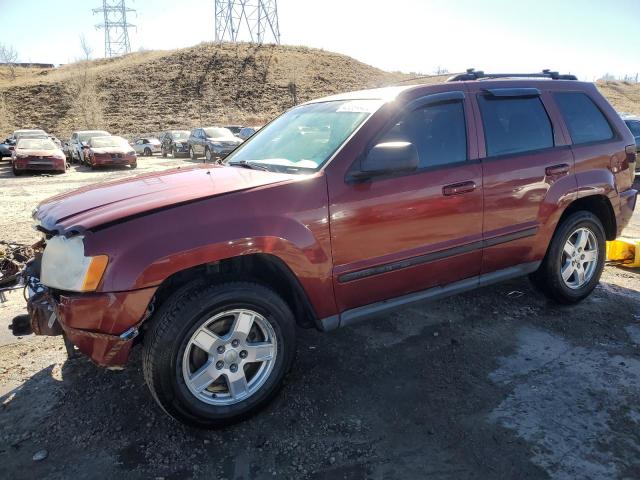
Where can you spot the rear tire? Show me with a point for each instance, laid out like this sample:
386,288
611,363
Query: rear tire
176,362
581,266
16,172
147,152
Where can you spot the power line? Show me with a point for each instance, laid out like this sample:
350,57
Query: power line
252,20
115,25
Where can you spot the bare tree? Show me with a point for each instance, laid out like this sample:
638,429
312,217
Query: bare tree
9,56
86,48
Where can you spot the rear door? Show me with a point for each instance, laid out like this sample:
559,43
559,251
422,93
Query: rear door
527,170
404,233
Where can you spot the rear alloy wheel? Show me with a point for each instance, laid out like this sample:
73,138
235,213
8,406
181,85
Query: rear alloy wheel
575,259
215,354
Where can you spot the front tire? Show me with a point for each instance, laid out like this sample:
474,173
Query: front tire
164,153
147,152
574,261
192,153
215,354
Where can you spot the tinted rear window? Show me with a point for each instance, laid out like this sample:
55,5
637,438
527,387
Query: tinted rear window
585,121
513,125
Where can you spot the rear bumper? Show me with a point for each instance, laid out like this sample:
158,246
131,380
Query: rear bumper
627,206
102,325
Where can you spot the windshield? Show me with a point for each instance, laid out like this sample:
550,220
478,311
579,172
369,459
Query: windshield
218,132
85,136
36,144
29,133
182,135
305,137
103,142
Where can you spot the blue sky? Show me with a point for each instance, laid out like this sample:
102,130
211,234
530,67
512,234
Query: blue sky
585,37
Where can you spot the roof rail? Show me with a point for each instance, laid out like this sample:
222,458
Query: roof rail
473,74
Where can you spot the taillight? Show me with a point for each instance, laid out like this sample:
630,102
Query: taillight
632,157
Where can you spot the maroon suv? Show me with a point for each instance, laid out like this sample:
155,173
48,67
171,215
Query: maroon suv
339,210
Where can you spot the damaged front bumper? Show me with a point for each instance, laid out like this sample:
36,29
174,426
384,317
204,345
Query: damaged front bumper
103,326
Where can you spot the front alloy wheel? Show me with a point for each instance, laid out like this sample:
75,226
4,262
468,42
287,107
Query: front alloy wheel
215,354
229,357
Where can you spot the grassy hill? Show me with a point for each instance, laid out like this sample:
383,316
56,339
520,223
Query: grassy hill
206,84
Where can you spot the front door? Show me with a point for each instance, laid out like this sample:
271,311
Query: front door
404,233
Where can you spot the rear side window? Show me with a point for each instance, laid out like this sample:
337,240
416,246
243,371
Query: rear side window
513,125
437,131
585,121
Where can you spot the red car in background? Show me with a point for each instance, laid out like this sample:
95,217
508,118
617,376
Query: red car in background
37,154
110,151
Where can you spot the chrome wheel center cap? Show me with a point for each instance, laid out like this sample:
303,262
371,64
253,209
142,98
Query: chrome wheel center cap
230,356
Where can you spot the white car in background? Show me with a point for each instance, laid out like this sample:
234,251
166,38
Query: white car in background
147,146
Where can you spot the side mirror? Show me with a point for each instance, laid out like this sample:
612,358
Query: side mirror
388,158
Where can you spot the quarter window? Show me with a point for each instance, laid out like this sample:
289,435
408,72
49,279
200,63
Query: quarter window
635,128
514,125
437,131
585,121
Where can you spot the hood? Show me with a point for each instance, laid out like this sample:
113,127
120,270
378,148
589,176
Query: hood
108,202
103,150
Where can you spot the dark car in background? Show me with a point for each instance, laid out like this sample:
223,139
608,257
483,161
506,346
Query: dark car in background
6,148
633,123
212,142
175,142
235,129
37,154
246,133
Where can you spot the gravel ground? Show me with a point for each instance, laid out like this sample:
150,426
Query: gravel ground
497,383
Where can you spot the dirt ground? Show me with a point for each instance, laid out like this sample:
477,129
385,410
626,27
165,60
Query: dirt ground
497,383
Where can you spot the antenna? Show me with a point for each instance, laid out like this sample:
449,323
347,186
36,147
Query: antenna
116,35
253,20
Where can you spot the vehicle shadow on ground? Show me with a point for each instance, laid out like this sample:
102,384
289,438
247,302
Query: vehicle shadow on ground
427,391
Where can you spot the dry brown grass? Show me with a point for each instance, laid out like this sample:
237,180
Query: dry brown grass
206,84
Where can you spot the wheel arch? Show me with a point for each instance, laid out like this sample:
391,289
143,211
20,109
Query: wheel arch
263,268
600,206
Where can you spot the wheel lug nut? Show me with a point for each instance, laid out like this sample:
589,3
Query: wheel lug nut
221,349
235,343
219,365
233,367
243,354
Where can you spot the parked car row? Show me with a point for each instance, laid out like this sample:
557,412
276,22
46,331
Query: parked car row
208,142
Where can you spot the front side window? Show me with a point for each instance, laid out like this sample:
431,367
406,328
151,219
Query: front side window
514,124
304,138
585,121
437,131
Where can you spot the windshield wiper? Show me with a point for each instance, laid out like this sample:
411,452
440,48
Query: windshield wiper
251,165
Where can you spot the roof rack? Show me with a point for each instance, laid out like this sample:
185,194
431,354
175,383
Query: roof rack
473,74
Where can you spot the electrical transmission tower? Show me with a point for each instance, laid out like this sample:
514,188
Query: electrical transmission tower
116,35
253,20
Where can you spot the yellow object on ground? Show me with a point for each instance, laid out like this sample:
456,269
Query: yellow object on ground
626,251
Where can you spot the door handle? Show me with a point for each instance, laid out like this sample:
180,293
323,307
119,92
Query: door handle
557,169
458,188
